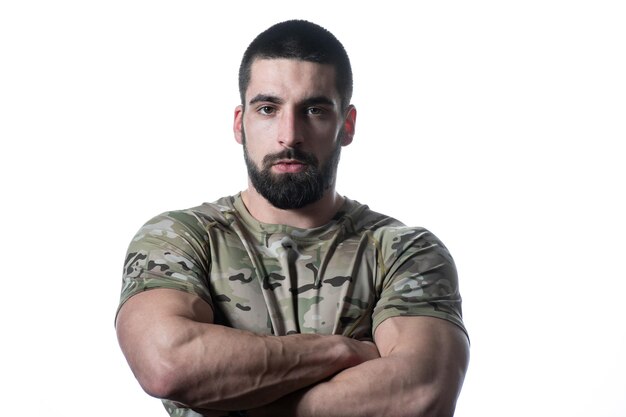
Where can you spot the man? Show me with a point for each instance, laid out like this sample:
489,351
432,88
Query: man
289,299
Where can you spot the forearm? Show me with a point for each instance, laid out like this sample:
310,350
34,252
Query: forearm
381,387
176,353
352,392
418,376
384,387
221,368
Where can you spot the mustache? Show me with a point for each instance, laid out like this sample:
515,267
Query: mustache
290,153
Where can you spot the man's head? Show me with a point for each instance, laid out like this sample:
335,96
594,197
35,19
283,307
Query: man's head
304,41
295,114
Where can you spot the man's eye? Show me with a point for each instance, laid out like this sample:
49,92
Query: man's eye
315,111
266,110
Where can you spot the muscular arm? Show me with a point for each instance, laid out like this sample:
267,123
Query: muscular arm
177,353
420,373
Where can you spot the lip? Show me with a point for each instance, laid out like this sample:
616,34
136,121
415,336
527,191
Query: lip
289,161
289,165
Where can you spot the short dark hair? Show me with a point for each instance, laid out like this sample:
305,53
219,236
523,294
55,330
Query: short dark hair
303,40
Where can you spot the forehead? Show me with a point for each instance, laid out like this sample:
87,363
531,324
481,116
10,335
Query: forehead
291,78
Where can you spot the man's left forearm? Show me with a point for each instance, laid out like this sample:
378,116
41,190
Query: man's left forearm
420,374
381,387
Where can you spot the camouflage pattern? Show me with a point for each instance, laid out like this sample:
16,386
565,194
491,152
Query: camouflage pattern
342,278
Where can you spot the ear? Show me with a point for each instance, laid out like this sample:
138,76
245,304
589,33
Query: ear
238,124
349,126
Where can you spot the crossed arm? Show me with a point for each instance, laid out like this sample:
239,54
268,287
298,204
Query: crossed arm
416,367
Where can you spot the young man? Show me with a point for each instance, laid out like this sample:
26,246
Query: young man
289,299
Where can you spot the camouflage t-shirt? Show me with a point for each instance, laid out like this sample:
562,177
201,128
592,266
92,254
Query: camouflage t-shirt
345,277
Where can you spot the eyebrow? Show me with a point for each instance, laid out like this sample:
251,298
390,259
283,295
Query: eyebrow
318,100
267,98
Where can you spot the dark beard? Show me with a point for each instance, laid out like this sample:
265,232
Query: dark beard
293,190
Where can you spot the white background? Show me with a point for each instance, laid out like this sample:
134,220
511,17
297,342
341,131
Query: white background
497,125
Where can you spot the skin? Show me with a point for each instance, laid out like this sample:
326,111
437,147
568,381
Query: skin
415,367
293,104
176,352
419,373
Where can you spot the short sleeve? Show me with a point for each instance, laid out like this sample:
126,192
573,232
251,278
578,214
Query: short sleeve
420,278
169,251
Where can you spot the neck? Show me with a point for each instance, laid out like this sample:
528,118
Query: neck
310,216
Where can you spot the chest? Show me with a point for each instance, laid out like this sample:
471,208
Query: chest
282,284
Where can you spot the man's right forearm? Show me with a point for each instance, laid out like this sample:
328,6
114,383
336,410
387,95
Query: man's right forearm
223,368
207,366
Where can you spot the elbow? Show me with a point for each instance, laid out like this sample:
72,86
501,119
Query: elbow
170,379
157,368
158,378
158,371
438,408
426,403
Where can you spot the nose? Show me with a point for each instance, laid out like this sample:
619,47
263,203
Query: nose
289,129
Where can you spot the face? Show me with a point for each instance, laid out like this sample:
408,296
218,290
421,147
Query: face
292,130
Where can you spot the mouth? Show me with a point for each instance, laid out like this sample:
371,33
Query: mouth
289,166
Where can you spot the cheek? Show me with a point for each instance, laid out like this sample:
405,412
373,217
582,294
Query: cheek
257,125
327,138
258,135
252,150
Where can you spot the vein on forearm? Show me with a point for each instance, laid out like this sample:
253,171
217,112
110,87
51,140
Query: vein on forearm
223,368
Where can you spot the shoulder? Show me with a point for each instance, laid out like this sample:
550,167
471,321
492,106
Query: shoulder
388,231
191,222
399,247
360,218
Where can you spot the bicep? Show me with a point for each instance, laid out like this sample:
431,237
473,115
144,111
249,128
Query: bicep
159,302
148,310
435,351
150,324
420,333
